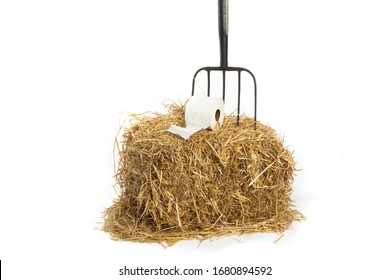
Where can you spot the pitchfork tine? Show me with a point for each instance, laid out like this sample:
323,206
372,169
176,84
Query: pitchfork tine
239,97
208,83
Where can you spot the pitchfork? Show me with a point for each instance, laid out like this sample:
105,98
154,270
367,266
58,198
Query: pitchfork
223,16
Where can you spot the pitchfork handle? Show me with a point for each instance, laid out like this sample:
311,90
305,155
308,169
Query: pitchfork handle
223,18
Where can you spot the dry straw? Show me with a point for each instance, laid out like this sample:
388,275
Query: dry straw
231,181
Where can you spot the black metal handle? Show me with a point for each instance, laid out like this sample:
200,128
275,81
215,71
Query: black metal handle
223,17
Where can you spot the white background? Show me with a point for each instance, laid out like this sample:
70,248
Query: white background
70,69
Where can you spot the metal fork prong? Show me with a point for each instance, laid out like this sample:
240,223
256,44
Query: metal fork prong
255,87
239,97
208,83
224,84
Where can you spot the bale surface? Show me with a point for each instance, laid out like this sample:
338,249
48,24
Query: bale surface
231,181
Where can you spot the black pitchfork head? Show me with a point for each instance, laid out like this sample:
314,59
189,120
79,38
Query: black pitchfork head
223,15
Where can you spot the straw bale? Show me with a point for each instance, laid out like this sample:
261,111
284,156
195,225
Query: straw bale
231,181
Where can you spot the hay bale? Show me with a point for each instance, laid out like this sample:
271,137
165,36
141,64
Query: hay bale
230,181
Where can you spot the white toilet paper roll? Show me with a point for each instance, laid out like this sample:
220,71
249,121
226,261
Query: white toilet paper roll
201,113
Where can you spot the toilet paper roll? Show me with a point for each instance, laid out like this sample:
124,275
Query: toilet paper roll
201,113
